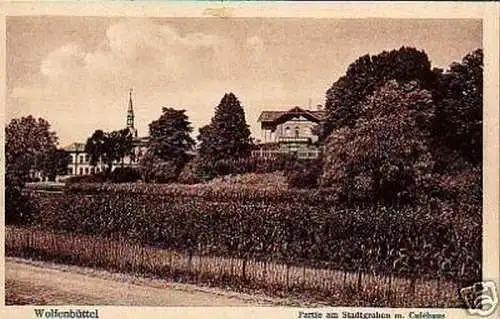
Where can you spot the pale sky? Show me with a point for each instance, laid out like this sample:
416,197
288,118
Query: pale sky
76,71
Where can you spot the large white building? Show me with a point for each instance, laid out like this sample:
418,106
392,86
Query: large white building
289,132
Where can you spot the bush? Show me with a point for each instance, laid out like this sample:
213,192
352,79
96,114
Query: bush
156,170
211,191
93,178
253,165
266,180
18,210
190,173
304,174
124,175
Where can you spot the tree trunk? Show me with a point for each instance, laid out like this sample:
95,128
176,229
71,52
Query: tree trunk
287,276
360,274
244,269
413,285
389,289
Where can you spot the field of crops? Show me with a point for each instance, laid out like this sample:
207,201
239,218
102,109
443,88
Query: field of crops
307,285
241,231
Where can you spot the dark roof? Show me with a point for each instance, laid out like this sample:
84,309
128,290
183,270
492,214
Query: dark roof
75,147
271,116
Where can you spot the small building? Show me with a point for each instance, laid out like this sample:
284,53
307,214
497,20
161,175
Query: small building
289,132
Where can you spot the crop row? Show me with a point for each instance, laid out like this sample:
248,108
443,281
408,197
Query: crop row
412,242
302,285
239,193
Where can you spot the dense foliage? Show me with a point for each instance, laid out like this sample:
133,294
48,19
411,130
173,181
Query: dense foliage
304,173
253,165
55,163
118,175
169,146
403,135
385,156
228,135
459,111
441,240
30,146
109,147
365,76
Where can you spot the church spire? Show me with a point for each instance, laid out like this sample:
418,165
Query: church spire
130,112
130,116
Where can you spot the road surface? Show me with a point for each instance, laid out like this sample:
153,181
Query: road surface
29,282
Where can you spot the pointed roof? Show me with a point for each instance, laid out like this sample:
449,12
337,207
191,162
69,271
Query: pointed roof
130,104
273,116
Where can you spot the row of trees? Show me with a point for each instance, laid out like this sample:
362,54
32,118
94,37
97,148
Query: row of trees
396,129
109,147
171,146
394,126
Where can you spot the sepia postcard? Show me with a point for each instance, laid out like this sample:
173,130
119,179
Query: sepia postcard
250,159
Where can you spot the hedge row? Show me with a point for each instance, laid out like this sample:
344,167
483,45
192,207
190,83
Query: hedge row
253,164
434,242
239,193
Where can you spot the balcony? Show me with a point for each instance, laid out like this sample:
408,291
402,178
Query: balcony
301,154
294,139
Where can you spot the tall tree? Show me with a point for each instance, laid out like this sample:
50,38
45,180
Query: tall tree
365,76
27,142
385,156
170,137
228,135
109,147
169,146
459,114
54,162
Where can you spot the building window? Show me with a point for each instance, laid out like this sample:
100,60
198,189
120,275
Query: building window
92,170
81,159
297,131
287,131
70,170
86,170
86,158
81,171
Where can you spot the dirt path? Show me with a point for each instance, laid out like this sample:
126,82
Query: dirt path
29,282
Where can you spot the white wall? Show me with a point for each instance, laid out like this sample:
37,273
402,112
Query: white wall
303,125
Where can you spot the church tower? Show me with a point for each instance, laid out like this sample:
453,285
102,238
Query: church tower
130,116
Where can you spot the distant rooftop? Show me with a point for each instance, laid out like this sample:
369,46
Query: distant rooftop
74,147
272,116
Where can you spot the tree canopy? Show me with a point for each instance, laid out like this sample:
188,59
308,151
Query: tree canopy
386,153
459,114
55,162
170,137
365,76
28,143
228,134
169,147
396,135
109,146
